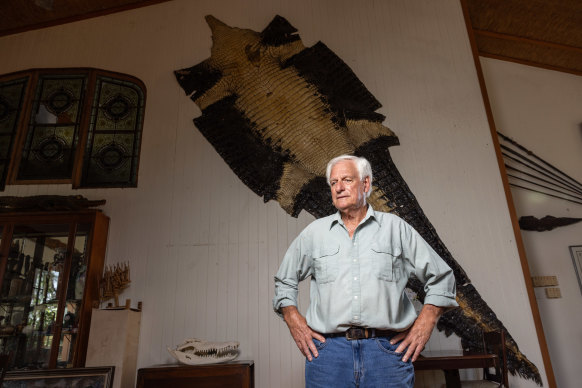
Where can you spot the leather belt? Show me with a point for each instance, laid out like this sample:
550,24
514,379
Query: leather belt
357,332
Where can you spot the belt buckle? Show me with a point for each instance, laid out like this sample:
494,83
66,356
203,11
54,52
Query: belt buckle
354,333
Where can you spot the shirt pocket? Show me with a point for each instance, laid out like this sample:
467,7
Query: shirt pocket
325,263
387,261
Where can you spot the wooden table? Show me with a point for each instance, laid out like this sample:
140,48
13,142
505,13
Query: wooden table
450,361
235,374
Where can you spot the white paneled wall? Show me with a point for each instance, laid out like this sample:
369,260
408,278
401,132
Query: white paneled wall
203,248
540,109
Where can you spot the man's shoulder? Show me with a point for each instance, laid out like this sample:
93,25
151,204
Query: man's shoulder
387,216
316,230
323,222
391,220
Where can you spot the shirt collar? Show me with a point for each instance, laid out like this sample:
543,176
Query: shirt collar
370,214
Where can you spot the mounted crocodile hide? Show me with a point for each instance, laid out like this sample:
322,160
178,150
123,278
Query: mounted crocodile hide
277,112
195,352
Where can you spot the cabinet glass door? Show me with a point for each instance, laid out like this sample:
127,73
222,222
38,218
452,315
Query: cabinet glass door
32,288
74,298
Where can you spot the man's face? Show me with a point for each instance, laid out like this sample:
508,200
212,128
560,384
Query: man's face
348,192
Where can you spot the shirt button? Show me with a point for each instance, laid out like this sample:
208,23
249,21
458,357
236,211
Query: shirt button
356,278
355,297
356,317
355,260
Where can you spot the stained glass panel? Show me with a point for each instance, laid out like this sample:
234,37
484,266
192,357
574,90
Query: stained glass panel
53,129
11,100
114,137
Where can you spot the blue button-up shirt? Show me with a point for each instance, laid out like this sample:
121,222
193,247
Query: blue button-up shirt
361,281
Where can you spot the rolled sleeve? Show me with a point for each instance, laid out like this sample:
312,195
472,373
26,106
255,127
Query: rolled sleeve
294,268
430,268
285,295
440,298
440,288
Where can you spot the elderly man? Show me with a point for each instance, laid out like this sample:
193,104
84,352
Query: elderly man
360,330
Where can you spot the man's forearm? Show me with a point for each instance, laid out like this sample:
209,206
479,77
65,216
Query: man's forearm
288,312
431,312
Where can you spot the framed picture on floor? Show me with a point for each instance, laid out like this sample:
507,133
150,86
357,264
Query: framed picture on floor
576,252
94,377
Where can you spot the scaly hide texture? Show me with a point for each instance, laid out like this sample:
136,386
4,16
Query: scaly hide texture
196,352
277,112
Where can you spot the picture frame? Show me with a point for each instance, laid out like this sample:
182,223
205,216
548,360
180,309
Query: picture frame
92,377
576,253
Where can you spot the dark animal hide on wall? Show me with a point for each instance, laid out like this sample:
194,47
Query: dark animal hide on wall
546,223
277,112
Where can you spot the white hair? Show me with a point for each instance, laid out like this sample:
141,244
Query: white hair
362,165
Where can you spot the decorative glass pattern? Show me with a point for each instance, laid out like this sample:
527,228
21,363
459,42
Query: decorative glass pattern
53,130
114,137
11,102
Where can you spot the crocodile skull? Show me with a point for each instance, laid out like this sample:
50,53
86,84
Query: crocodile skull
194,351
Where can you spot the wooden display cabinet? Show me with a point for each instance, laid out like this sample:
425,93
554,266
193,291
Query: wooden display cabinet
50,267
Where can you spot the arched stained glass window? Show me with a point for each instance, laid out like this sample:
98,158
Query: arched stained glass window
81,126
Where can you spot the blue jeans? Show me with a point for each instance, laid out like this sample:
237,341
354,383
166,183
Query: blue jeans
366,363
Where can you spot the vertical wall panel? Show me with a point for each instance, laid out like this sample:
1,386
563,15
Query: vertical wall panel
203,249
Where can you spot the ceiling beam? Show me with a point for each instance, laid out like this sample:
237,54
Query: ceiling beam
532,52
